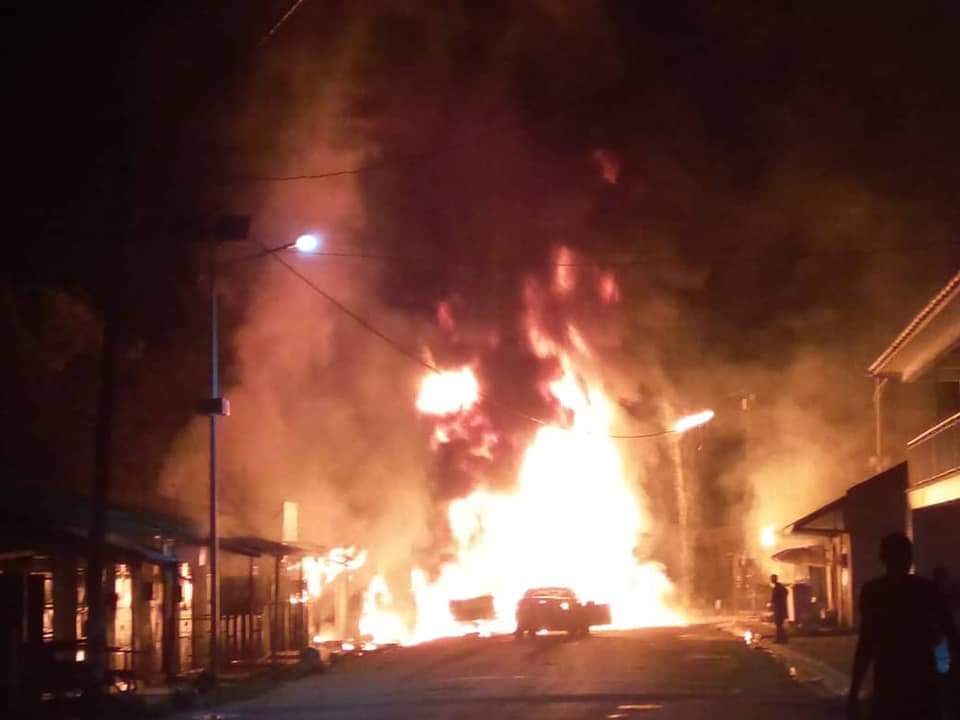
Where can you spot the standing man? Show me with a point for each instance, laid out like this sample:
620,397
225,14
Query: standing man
902,618
778,601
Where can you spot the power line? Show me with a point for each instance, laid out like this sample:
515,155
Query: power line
666,63
414,357
358,319
369,327
630,261
659,433
286,16
315,176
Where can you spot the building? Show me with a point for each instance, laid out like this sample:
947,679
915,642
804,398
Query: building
841,538
917,453
157,598
920,370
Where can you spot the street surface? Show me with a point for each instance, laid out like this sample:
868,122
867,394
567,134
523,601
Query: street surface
661,674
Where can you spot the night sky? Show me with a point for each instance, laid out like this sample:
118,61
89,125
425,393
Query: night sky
782,197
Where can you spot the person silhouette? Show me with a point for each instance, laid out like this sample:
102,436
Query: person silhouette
946,667
902,617
778,603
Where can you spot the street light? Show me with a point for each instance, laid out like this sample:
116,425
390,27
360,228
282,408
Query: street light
691,421
307,243
231,228
684,424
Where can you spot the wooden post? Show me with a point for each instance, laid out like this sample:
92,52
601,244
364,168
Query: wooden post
275,633
141,584
64,596
250,605
110,608
201,610
169,611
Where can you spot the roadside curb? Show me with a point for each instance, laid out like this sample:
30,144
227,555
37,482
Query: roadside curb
822,679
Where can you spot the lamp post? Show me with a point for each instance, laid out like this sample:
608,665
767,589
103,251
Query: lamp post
680,427
227,228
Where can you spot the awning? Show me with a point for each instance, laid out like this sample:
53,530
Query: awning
252,546
827,520
806,555
41,519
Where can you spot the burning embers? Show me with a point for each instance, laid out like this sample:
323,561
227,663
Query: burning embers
571,518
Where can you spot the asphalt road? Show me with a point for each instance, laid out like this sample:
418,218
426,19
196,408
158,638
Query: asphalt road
660,674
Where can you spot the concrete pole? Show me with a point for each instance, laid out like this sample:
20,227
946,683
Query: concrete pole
683,519
878,387
214,549
275,634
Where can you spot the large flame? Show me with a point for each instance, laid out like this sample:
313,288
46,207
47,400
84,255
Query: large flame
448,393
571,520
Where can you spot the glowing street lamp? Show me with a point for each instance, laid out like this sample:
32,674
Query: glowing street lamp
681,426
691,421
307,243
227,228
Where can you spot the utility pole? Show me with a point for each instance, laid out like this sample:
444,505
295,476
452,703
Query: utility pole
228,227
683,518
217,408
119,186
103,450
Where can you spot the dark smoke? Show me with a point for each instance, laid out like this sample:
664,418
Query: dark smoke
770,196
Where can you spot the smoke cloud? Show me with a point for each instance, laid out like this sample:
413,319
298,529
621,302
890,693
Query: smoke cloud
720,252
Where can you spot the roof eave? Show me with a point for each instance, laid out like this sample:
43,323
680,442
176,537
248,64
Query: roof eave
933,308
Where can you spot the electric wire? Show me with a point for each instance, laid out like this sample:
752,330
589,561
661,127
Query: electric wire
414,357
286,16
665,64
376,332
588,262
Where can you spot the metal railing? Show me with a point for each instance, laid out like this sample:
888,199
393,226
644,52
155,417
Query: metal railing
935,452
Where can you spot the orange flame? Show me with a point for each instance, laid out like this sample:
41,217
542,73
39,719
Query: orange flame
319,571
448,392
572,519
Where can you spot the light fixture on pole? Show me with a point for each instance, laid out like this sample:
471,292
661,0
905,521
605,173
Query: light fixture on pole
227,228
681,426
308,243
688,422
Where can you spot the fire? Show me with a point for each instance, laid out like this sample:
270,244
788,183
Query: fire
609,289
320,571
448,393
572,519
564,275
379,620
768,536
